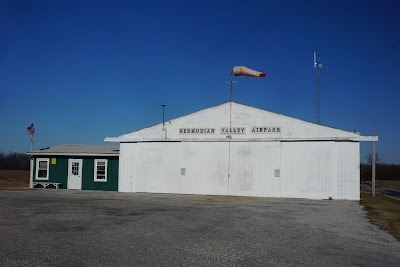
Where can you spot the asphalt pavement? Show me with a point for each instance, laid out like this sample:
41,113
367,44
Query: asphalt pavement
94,228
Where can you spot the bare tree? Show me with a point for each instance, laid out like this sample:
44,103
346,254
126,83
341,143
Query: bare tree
14,161
368,157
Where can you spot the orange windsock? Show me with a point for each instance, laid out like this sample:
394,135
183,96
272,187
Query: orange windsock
242,70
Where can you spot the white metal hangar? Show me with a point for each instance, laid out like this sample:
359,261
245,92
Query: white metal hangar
234,149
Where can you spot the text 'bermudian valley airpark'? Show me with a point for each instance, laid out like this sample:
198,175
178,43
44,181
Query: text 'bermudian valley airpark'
231,130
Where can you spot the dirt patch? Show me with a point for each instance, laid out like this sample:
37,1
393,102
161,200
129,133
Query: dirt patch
14,179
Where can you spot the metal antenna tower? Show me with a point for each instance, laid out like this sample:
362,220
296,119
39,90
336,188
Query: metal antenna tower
317,68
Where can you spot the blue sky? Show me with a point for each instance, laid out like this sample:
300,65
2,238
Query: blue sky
84,70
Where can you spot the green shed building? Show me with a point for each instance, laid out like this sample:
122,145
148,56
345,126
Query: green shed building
82,167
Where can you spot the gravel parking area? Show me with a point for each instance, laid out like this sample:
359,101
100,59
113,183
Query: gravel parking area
94,228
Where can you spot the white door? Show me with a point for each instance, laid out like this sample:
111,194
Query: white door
75,174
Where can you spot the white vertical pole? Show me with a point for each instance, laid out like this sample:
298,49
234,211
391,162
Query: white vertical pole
163,122
230,126
31,172
229,167
373,167
230,103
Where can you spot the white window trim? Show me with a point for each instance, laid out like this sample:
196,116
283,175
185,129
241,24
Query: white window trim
95,170
37,169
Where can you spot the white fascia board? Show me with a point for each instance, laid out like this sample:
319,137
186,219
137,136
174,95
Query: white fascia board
112,139
234,139
357,138
367,138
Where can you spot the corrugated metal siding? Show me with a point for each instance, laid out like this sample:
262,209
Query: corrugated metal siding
315,170
301,160
308,170
157,167
252,169
206,167
58,173
348,170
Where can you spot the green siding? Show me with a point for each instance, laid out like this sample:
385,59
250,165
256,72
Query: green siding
88,182
58,173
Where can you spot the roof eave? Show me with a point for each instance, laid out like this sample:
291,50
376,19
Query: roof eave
73,154
236,139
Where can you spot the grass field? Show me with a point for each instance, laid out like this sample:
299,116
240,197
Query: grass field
11,179
392,184
382,211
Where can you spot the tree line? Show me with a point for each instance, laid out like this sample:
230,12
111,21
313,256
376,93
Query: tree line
382,171
14,161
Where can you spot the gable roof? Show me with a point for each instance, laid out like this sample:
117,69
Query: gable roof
237,122
78,150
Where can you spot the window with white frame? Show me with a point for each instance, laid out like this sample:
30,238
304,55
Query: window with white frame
100,170
42,169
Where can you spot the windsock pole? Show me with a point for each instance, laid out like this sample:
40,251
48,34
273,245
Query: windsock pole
230,103
238,71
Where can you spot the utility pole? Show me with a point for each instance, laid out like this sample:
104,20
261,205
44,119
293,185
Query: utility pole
373,166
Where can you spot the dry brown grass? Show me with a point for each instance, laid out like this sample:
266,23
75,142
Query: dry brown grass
382,211
392,184
13,179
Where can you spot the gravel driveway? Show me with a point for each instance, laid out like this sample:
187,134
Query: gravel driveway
94,228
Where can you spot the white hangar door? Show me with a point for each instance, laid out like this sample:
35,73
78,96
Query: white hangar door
308,170
155,167
180,167
254,169
204,168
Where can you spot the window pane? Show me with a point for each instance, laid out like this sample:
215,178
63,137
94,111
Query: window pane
75,168
42,173
100,170
42,164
